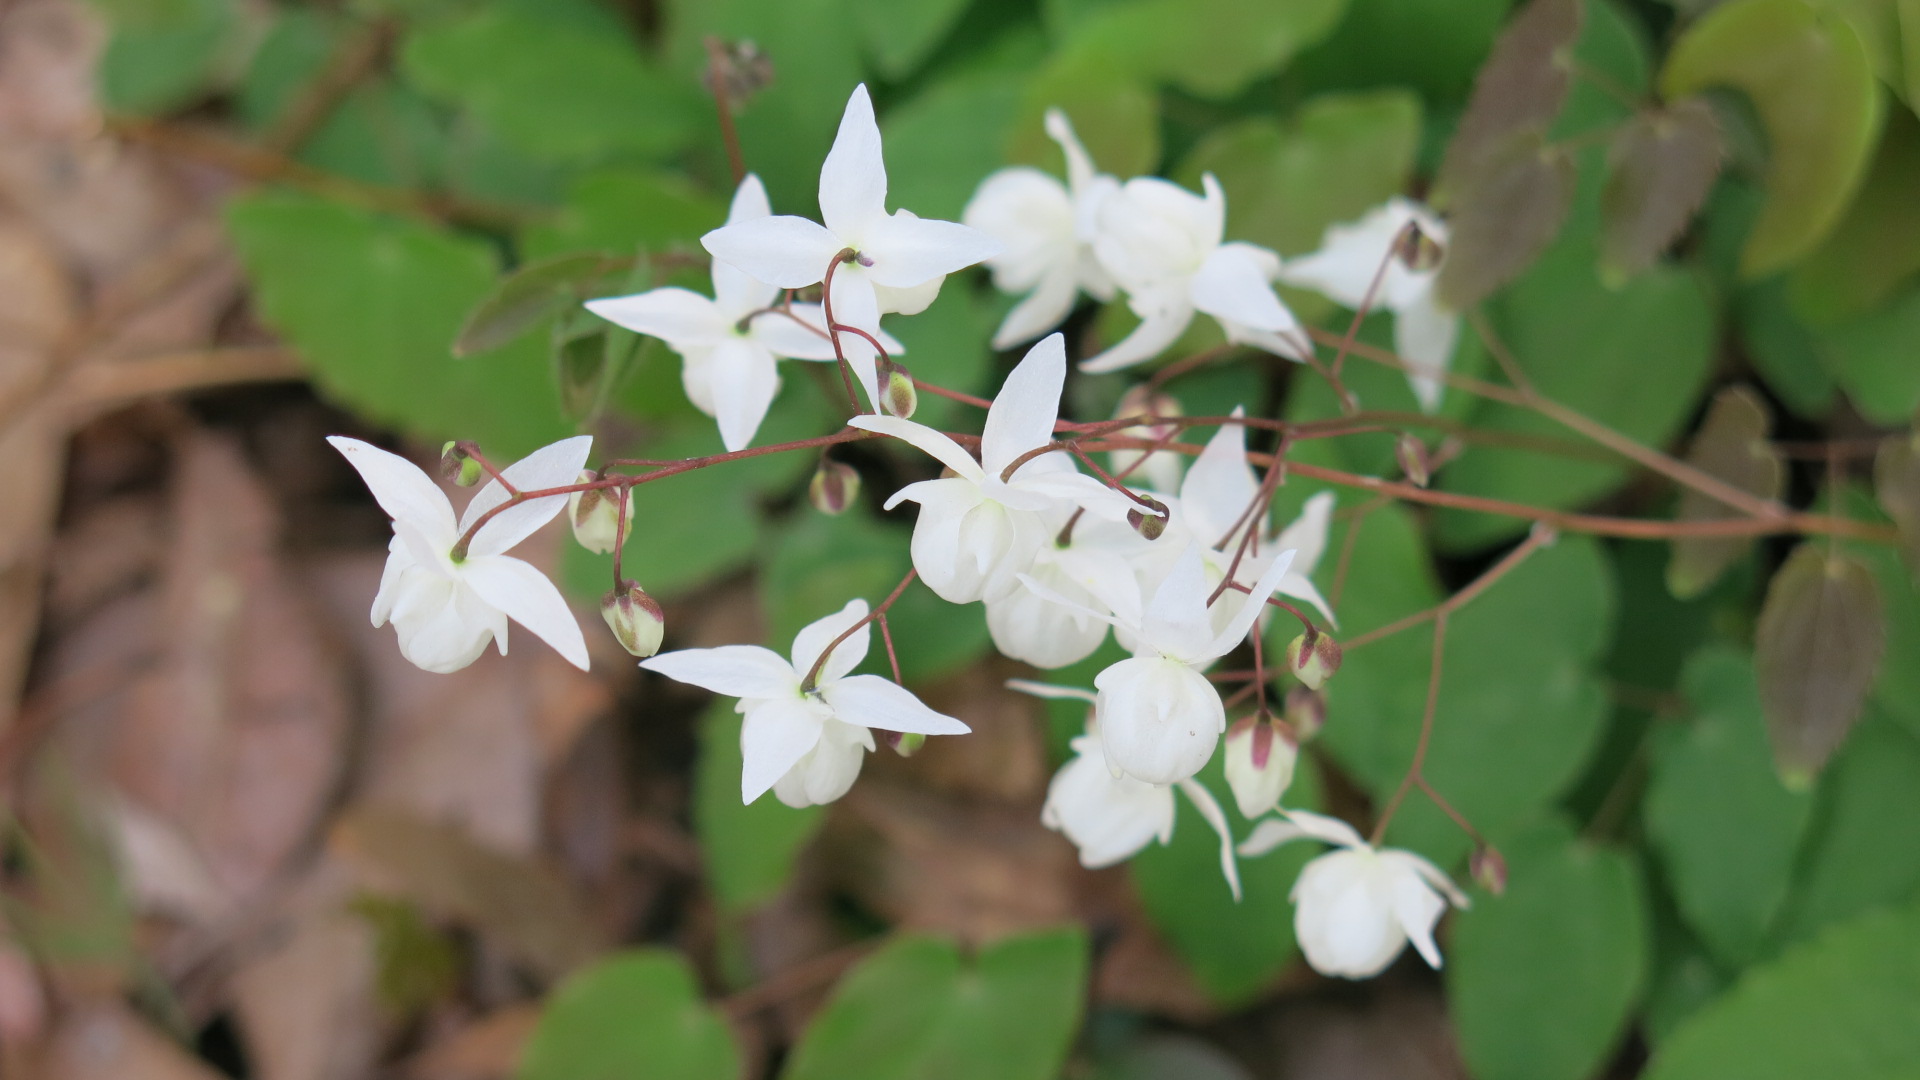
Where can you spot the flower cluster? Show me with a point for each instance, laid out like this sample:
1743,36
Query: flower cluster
1181,564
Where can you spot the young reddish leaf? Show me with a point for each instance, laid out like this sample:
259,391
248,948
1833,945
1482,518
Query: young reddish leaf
1504,218
1822,632
529,294
1896,483
1659,170
1519,91
1732,445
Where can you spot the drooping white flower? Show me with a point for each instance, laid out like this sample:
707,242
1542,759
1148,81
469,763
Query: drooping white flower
1095,554
729,345
1162,244
1047,228
1110,818
1160,717
446,608
1356,908
898,259
1352,254
979,528
805,741
1260,760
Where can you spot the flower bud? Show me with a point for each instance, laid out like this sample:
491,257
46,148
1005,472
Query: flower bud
1313,657
635,619
595,516
1489,868
835,486
458,467
1149,525
1415,465
905,743
1306,712
1418,251
1260,761
897,394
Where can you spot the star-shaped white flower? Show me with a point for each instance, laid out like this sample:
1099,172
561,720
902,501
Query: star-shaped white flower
1110,818
1162,244
1350,255
979,528
1048,230
1356,908
805,742
729,345
896,256
446,609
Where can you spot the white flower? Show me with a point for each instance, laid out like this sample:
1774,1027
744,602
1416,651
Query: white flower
1351,255
1027,626
1160,717
1355,909
1162,244
729,344
1259,763
978,529
1048,230
1110,818
805,742
898,259
446,609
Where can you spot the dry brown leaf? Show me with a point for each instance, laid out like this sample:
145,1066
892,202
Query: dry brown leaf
487,1049
1732,446
1005,758
106,1041
306,1003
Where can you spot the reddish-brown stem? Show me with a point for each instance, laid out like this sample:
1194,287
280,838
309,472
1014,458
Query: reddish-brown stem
1360,314
813,673
886,637
826,309
1106,478
1541,536
951,395
870,339
719,65
620,536
472,450
1426,732
1185,364
1446,807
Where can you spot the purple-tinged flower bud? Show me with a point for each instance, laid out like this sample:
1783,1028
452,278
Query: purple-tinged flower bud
1260,759
1415,464
905,743
1150,525
1306,712
897,394
1489,868
1313,657
835,486
1418,251
458,467
595,516
635,619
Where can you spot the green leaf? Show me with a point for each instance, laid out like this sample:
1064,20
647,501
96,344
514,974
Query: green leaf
750,849
1212,48
556,90
372,304
1731,445
1507,212
1810,80
1335,158
1432,46
1634,359
1875,248
1868,796
1872,357
1234,949
944,141
635,1013
916,1009
1540,981
813,564
672,552
1844,1007
1725,828
624,211
1518,92
530,294
902,36
1659,169
1896,484
162,60
1784,350
1114,112
1822,633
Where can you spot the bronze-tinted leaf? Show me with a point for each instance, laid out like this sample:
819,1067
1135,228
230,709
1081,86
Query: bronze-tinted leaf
1519,91
1896,483
1659,170
1821,636
1731,445
529,294
1504,218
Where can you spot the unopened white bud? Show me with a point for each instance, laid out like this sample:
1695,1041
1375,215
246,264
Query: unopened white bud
1260,759
834,487
1313,657
595,515
457,466
1306,712
1150,523
898,397
635,619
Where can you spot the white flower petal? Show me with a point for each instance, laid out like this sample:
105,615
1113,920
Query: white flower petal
1147,341
744,383
1231,285
853,179
1248,612
1159,719
1350,256
829,769
742,671
1324,828
1033,217
1417,908
679,317
908,301
528,598
401,488
800,333
1209,808
1108,818
907,250
871,701
1219,485
1424,334
856,304
814,637
552,466
1052,691
1080,169
785,251
1269,834
1176,620
1343,915
1024,411
935,443
1045,308
774,736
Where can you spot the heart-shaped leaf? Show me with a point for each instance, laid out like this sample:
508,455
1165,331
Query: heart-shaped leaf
1821,635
